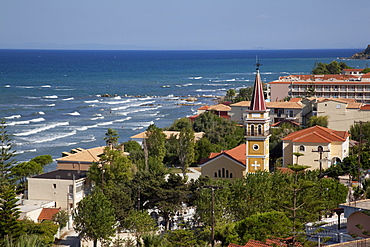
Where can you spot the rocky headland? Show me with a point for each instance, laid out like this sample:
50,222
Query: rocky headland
365,54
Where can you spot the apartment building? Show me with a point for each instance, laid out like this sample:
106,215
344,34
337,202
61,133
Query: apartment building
352,86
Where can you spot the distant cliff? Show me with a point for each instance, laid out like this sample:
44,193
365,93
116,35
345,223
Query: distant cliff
365,54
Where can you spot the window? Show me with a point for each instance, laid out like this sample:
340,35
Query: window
252,129
338,106
259,129
54,186
255,147
223,173
302,148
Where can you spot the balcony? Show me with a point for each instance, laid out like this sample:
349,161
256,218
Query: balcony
255,133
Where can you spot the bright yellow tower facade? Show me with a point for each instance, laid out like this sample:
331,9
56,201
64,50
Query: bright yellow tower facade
257,122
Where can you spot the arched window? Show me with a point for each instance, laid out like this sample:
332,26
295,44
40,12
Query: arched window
219,173
231,175
215,174
302,148
259,129
227,173
252,129
223,172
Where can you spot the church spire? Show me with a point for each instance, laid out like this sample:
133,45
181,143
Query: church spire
258,99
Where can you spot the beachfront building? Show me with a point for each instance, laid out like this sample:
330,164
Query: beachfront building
318,145
328,86
79,158
279,111
64,187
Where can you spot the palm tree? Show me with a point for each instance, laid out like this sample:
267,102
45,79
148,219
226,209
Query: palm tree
111,137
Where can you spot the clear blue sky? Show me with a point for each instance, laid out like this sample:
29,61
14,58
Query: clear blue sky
184,24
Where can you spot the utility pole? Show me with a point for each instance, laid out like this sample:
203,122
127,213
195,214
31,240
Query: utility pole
320,150
213,188
359,150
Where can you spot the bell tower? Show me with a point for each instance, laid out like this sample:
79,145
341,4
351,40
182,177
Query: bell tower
257,122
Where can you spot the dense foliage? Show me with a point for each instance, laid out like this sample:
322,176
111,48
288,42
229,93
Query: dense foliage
332,68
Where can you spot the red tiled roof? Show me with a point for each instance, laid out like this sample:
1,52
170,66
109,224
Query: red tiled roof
238,153
48,213
234,245
295,100
205,107
365,108
317,134
353,69
367,75
255,243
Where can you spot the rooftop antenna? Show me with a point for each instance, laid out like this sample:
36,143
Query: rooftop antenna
258,64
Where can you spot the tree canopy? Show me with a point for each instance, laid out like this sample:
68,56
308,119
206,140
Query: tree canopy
332,68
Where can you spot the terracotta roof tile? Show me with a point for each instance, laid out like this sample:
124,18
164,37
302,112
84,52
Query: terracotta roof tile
205,107
255,243
367,75
48,213
353,69
219,107
317,134
234,245
295,100
84,155
365,108
238,153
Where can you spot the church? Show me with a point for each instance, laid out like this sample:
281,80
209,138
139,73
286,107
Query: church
253,156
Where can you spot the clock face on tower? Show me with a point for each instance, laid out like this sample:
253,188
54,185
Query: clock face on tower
255,147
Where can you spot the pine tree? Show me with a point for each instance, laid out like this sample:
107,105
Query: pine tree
9,226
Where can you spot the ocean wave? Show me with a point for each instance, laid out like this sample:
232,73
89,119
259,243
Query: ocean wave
91,139
41,129
75,113
117,102
117,97
41,113
50,97
205,90
71,98
51,105
122,120
91,101
26,151
46,86
195,77
35,120
25,87
13,116
7,86
96,118
53,137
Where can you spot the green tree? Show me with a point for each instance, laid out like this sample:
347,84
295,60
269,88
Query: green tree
94,218
24,241
61,218
9,213
140,223
111,137
365,71
114,168
322,121
155,145
44,230
186,149
262,226
181,238
230,94
43,160
332,68
180,124
203,148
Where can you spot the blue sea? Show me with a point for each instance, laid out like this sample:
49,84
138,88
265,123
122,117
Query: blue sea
51,99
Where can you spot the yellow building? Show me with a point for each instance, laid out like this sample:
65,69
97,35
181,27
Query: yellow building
334,146
257,123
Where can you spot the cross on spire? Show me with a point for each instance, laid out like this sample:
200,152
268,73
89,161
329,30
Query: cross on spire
258,64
